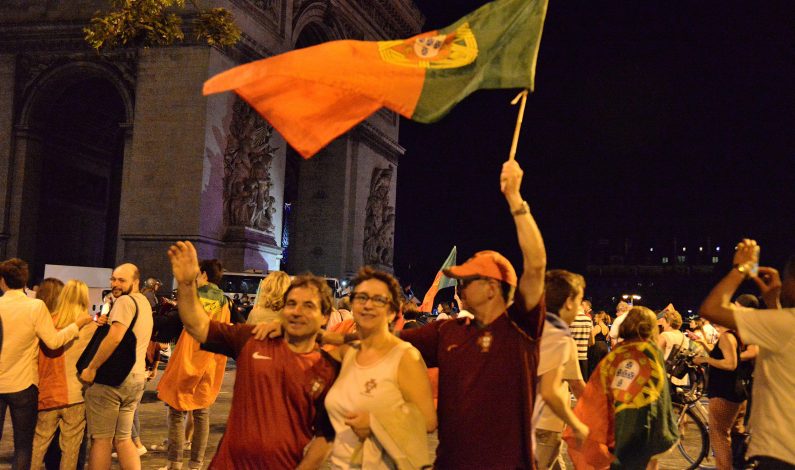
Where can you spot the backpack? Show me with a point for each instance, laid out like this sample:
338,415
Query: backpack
116,368
676,365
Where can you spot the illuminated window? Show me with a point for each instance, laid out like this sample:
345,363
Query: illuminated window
665,260
681,259
714,259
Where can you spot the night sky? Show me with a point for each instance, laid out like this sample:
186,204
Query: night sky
649,119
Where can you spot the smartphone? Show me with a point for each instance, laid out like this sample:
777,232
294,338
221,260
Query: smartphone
755,267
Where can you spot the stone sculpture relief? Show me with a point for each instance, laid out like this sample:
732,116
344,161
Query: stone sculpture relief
379,225
247,168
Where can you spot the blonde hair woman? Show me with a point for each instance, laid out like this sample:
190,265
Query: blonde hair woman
270,298
60,391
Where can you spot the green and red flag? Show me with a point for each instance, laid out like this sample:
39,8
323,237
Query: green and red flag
313,95
439,282
627,407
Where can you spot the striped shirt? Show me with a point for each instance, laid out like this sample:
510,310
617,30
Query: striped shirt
581,332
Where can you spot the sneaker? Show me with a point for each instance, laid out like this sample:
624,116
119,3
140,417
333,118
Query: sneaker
187,445
142,450
162,447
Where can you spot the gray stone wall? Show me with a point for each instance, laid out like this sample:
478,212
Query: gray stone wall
163,172
6,127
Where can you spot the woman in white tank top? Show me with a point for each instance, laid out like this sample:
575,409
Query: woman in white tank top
381,373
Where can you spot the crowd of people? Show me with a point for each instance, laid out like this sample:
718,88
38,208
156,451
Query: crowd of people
360,383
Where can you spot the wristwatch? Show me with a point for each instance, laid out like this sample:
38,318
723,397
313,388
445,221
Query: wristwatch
523,209
744,269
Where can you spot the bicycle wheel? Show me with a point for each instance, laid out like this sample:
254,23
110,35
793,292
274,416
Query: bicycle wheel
693,451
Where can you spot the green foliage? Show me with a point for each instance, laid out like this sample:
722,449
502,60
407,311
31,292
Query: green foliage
147,23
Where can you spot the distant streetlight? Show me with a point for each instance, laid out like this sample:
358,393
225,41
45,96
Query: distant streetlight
631,298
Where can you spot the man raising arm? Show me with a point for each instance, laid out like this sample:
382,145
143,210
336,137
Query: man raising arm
772,331
277,418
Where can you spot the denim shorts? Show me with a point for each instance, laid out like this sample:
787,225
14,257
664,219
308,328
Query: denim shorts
110,410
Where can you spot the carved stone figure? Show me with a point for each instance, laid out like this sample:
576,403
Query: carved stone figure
379,225
247,166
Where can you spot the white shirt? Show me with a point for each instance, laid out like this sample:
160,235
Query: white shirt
25,322
774,380
616,325
362,388
557,349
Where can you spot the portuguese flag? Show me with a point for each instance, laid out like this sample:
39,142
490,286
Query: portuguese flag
313,95
439,282
627,407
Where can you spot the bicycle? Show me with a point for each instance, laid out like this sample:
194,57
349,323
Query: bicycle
692,421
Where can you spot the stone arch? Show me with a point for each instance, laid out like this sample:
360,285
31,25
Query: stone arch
70,139
313,25
70,73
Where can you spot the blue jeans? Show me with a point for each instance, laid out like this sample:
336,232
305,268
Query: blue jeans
24,411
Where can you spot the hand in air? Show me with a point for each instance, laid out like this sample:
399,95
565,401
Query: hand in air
184,262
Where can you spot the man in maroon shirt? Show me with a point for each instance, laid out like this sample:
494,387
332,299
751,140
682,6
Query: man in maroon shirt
277,419
490,361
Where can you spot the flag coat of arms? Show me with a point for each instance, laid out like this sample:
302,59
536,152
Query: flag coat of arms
313,95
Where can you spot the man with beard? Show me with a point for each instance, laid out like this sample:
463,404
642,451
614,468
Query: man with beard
110,410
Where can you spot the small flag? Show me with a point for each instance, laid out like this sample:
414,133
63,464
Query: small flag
440,282
313,95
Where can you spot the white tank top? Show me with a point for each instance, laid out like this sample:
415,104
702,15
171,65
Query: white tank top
362,388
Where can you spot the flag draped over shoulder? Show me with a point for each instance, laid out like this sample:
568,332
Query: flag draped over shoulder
627,407
313,95
439,282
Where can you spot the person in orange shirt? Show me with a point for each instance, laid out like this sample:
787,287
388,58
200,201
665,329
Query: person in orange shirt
192,379
61,403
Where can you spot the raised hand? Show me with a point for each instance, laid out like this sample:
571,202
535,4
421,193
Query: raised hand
511,179
747,253
769,282
184,262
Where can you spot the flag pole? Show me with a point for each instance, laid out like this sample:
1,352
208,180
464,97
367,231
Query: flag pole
523,97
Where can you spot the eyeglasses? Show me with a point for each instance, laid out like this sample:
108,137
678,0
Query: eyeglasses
378,301
468,280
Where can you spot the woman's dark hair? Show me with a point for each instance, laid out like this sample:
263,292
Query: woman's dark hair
213,269
366,273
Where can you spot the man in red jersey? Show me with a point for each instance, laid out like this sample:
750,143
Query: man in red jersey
277,419
492,360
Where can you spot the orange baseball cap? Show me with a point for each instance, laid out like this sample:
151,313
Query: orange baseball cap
486,263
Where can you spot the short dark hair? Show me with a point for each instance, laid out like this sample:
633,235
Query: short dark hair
748,300
366,273
15,273
320,284
560,285
410,311
213,269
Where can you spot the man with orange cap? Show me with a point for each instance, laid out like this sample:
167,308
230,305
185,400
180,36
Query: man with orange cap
491,360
